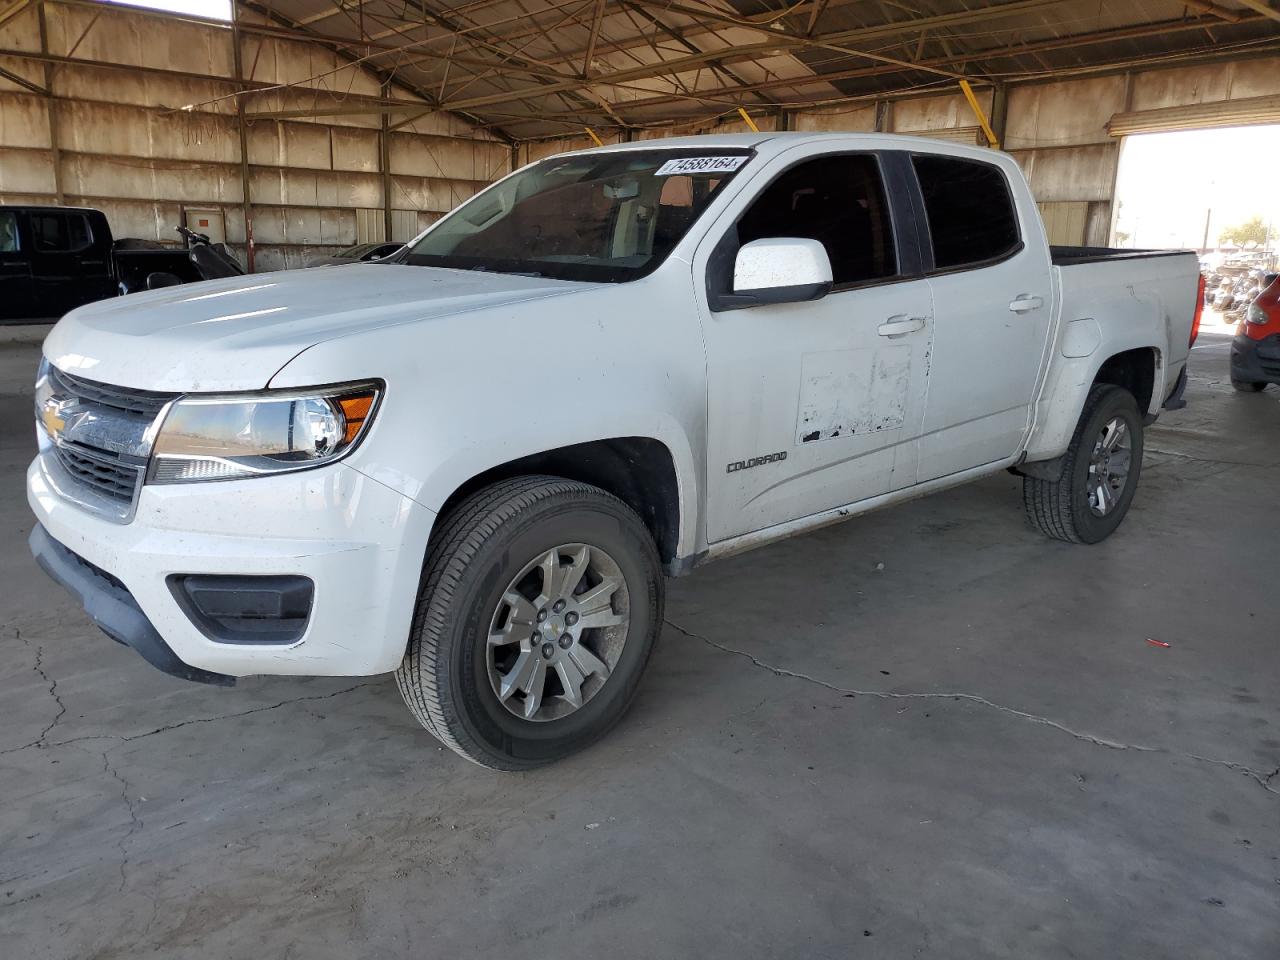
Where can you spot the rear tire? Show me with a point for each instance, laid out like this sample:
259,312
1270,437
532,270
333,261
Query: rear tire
501,667
1248,386
1076,508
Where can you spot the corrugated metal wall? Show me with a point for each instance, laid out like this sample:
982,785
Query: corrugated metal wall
117,140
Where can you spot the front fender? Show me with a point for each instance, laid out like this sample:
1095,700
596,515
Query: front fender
469,393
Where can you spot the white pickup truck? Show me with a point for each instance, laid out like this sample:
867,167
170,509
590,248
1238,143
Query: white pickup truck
474,464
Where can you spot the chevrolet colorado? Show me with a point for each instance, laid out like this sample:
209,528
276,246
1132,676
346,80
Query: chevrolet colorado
473,464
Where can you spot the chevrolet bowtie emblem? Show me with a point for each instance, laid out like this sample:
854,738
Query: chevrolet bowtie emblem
52,418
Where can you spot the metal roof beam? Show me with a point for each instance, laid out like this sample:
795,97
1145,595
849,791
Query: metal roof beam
1222,13
381,76
1264,8
778,43
1102,36
711,21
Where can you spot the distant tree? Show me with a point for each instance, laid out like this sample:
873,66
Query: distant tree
1121,238
1251,231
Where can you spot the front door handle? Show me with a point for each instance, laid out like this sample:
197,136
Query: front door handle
900,325
1025,303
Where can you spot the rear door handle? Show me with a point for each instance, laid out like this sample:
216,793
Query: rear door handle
900,326
1025,303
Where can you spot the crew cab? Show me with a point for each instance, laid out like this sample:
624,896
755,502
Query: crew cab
54,259
473,465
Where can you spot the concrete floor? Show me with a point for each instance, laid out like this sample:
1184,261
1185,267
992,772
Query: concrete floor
972,752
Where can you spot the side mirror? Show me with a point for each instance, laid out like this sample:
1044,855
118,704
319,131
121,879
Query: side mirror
160,279
781,270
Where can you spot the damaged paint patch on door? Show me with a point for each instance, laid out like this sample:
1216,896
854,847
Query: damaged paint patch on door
853,392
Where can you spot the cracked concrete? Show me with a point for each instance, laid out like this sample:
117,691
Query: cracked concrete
1088,794
135,822
38,666
1263,780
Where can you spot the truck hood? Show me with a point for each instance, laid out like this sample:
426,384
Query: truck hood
235,334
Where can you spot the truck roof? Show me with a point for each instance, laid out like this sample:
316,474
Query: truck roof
46,206
778,140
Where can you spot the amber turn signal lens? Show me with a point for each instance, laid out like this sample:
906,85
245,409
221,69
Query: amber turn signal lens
355,409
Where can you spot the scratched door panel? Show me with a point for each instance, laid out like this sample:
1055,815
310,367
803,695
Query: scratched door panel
849,392
772,368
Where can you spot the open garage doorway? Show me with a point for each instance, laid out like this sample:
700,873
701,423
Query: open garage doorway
1211,190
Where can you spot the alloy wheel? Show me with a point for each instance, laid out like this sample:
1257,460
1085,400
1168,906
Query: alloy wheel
1109,465
558,632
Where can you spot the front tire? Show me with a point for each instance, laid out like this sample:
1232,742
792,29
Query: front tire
1099,474
541,603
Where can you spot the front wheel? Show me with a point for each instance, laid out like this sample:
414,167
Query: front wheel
541,602
1099,474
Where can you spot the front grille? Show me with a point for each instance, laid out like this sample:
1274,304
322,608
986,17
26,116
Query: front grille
142,403
101,441
104,472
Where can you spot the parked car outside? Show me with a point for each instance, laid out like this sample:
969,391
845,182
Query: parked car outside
1255,351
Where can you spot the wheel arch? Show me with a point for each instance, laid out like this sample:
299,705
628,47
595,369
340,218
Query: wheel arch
1136,366
639,471
1135,370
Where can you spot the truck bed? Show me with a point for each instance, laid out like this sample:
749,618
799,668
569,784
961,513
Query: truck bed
1070,256
133,264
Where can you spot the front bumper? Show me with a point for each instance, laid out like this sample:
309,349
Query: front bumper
112,607
360,543
1255,361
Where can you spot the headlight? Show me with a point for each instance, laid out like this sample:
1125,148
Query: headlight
1256,314
231,437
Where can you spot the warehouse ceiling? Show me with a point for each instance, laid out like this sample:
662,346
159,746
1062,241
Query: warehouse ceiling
529,69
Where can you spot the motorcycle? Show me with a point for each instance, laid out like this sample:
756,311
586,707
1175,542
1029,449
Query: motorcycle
206,260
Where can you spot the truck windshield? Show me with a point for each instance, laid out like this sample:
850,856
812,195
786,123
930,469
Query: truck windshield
609,217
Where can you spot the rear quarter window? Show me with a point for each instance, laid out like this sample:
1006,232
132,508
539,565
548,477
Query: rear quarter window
970,211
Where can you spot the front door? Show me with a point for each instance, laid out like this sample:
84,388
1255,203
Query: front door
815,405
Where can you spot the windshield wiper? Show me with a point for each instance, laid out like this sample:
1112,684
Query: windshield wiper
482,268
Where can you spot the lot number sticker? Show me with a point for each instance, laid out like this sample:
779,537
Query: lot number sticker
700,165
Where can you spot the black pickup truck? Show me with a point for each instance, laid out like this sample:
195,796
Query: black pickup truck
53,259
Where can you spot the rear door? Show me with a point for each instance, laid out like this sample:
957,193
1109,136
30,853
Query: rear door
17,301
992,285
815,405
71,260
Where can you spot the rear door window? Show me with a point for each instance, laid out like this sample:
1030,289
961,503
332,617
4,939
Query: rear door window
969,208
58,232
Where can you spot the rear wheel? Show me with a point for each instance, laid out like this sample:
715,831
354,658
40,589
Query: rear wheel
1248,386
541,603
1099,474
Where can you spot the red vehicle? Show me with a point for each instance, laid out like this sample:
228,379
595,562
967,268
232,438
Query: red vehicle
1255,352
